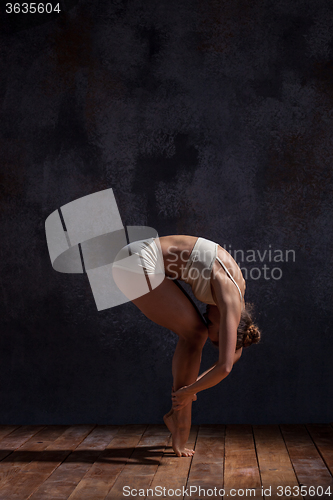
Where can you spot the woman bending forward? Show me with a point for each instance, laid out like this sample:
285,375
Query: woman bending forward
216,280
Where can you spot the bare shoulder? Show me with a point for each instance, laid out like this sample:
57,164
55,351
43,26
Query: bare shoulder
225,293
232,267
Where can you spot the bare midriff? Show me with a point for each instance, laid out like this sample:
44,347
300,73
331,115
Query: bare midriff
176,250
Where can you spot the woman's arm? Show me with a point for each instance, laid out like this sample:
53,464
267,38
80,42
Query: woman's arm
229,306
237,355
230,314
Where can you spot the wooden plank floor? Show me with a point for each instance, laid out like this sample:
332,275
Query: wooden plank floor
87,462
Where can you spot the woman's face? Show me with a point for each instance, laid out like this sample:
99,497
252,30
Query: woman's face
212,316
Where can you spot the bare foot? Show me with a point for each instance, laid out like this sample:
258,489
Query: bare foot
180,431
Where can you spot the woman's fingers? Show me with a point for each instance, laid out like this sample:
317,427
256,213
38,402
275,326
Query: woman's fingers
178,406
180,399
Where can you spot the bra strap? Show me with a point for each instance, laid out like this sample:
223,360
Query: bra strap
231,277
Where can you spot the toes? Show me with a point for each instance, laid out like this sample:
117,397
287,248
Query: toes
188,453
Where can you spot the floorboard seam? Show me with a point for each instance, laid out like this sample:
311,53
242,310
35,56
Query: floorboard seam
256,452
321,456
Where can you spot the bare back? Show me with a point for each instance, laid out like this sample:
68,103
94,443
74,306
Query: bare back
176,250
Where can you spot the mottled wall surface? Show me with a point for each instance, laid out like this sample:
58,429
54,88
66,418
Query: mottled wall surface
210,118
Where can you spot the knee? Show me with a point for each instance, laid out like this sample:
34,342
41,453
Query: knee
194,335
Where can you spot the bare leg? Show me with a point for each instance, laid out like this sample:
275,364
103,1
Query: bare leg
185,369
168,306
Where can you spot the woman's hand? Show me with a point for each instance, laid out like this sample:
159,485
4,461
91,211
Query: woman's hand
182,398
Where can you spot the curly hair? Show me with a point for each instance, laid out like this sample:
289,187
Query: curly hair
247,332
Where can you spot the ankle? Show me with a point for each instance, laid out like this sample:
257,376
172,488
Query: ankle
183,428
181,421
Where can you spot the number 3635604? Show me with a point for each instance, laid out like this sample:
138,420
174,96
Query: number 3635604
32,8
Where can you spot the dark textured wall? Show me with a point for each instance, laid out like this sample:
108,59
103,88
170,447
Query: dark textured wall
210,118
